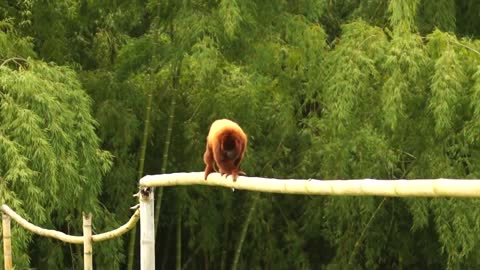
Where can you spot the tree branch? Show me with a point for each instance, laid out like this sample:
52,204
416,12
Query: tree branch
15,60
364,231
466,47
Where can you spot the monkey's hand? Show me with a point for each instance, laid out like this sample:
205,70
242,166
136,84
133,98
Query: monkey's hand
208,170
235,175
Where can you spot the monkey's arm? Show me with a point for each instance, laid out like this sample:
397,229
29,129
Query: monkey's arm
236,163
236,172
209,161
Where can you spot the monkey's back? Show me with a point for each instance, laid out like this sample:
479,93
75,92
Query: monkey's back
221,126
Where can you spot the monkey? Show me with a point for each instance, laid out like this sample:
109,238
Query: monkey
226,144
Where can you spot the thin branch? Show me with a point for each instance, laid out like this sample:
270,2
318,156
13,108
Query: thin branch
255,197
365,40
70,238
364,231
167,248
366,187
243,233
15,60
189,260
178,255
466,47
168,138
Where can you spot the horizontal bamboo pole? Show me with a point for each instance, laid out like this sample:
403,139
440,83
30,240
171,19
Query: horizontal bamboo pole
366,187
70,238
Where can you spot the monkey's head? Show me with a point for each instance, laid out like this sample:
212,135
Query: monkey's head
229,147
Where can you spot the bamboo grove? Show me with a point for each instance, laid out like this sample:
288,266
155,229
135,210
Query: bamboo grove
94,94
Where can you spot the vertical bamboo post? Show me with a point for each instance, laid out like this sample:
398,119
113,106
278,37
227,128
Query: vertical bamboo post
147,229
87,242
7,242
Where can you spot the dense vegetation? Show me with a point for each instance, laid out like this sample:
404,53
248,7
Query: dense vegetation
95,94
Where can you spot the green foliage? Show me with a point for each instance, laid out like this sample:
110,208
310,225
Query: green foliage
11,45
455,228
403,66
403,14
446,86
438,14
52,165
416,131
230,14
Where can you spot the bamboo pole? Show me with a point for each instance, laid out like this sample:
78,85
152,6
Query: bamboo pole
7,242
243,234
147,229
168,139
367,187
69,238
141,165
178,242
87,242
132,222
